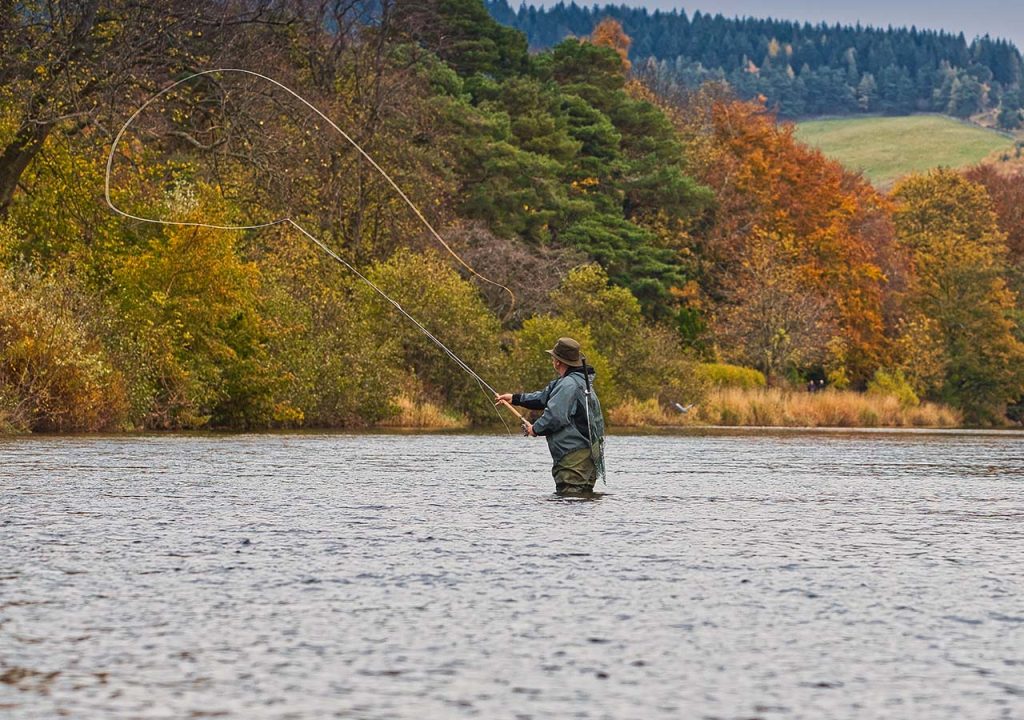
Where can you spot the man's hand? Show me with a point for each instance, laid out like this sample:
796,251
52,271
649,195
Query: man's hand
504,397
528,429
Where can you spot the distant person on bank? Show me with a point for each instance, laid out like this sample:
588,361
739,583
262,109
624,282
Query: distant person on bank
575,447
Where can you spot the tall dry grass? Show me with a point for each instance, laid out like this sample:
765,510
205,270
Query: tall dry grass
423,414
768,407
831,408
772,407
646,413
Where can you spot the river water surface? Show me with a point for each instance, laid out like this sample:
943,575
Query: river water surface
723,575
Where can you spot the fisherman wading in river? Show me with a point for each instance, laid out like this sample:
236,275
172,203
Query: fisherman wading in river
571,422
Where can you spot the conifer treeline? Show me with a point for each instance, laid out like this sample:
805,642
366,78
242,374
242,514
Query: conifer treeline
802,69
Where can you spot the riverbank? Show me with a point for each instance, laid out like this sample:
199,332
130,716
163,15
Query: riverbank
734,407
730,407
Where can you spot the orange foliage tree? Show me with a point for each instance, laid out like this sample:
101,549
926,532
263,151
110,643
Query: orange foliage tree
609,33
829,227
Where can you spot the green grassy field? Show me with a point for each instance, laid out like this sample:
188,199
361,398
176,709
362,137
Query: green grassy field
886,148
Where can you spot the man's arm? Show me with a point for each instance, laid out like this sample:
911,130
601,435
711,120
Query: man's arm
533,401
558,412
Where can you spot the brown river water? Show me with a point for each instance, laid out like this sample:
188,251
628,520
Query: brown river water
729,575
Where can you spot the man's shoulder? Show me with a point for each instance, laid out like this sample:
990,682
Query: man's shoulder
569,380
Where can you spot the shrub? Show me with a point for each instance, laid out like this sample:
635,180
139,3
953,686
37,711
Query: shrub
192,300
723,375
645,361
55,375
451,309
334,366
530,366
893,383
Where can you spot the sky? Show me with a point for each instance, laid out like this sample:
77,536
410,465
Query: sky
998,18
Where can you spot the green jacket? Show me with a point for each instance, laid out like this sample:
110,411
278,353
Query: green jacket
564,422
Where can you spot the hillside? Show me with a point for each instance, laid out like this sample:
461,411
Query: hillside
887,148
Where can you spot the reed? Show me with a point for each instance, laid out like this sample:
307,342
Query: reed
423,414
8,425
646,413
831,408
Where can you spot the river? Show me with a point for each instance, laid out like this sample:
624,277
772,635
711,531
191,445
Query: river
723,575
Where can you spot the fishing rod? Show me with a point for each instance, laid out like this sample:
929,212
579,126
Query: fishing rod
525,423
484,385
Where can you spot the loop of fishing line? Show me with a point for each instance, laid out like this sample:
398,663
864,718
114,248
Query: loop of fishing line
290,221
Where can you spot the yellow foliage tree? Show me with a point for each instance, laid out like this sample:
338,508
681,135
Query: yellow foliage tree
958,290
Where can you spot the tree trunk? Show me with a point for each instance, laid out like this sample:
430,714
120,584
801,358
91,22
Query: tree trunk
29,139
17,155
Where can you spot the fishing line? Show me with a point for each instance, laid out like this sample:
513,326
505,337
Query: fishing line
483,384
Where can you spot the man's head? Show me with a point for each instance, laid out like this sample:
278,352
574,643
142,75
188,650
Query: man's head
565,354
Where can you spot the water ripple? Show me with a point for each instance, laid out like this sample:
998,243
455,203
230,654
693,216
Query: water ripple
723,575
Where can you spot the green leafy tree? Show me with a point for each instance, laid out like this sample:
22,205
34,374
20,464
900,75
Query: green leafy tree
450,308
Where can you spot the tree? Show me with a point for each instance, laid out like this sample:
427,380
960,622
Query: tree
773,319
829,224
830,60
1006,192
464,35
609,33
948,226
67,63
867,90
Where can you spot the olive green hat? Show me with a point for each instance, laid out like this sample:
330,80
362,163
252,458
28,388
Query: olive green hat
566,350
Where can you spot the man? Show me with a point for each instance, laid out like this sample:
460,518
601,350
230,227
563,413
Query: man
574,436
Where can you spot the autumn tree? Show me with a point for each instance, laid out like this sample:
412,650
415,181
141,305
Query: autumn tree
1007,194
957,289
829,224
773,319
68,63
609,33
